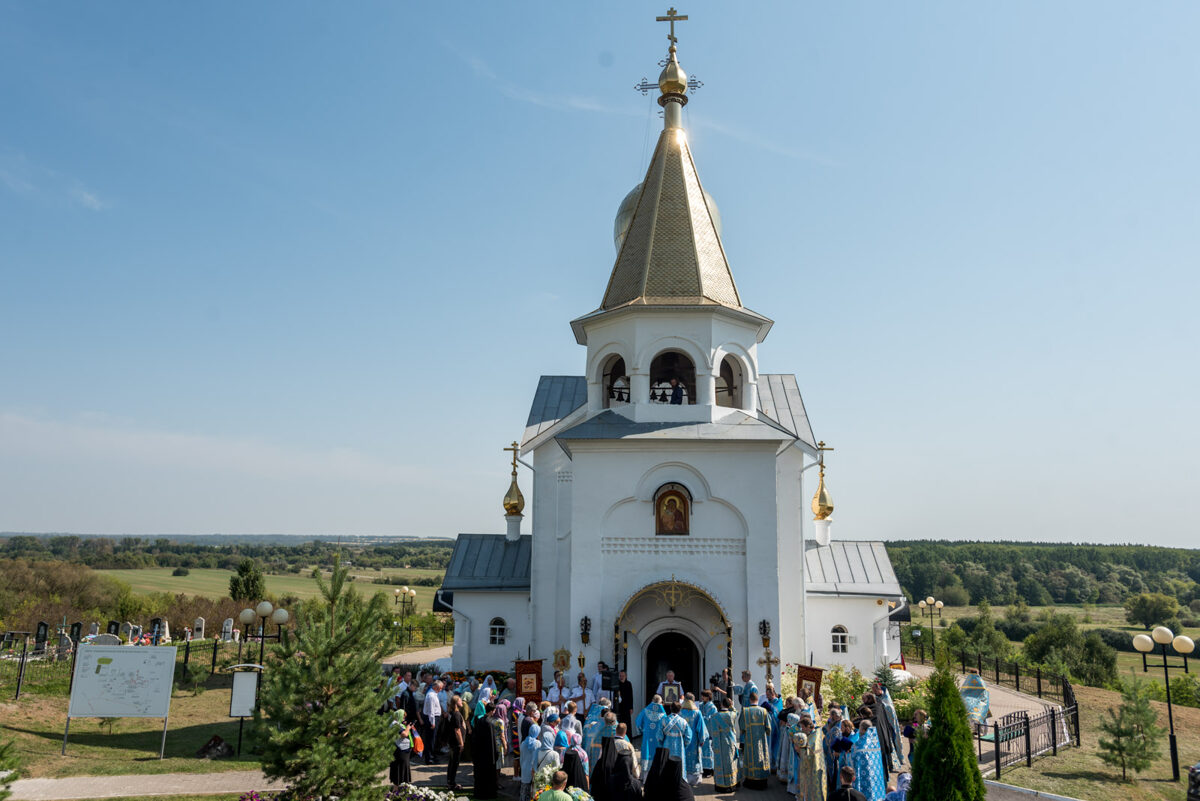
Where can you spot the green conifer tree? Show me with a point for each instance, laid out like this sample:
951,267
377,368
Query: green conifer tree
247,584
1134,738
9,763
319,726
944,765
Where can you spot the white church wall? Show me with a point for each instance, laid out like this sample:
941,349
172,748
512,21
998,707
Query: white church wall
859,616
553,483
790,643
474,613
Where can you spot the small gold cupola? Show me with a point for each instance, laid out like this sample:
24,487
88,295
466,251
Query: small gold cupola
673,80
822,502
514,501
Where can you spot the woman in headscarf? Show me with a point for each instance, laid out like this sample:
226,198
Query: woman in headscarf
867,756
707,710
483,758
666,782
575,763
903,782
831,730
691,762
487,690
843,745
529,754
399,771
498,722
791,737
603,770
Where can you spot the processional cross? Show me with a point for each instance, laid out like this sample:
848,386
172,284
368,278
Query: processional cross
768,659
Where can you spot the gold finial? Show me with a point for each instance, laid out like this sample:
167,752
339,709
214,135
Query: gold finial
673,80
514,501
822,502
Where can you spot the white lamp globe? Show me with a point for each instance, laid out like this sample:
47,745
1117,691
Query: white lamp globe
1143,643
923,604
397,591
279,616
939,604
246,616
404,590
1162,635
264,608
929,600
412,593
1184,645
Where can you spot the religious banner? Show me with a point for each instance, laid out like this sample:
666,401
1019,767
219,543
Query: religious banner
529,679
562,660
809,678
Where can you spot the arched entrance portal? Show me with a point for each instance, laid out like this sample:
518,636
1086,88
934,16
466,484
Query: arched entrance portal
672,651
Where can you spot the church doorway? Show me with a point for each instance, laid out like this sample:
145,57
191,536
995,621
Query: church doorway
672,651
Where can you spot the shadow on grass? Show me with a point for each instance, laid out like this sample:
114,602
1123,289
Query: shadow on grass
1084,775
182,743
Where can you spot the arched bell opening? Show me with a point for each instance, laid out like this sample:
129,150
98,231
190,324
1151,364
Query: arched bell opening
615,382
672,379
731,384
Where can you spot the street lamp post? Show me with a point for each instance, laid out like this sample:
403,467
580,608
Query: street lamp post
1183,646
263,611
927,606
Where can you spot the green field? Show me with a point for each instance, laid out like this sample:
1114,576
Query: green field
214,583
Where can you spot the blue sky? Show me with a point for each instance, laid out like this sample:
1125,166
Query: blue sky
295,267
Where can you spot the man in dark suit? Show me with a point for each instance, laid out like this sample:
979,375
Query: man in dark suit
847,792
625,700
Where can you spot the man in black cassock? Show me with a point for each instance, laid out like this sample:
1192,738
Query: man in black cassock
625,700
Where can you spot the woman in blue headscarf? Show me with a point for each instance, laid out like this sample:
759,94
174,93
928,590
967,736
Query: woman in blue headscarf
529,758
867,758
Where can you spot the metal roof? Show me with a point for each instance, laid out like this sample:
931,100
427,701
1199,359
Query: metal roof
850,568
488,562
736,426
555,398
779,399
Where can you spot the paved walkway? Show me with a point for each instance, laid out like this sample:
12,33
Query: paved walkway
420,657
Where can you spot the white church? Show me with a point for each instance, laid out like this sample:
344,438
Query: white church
670,511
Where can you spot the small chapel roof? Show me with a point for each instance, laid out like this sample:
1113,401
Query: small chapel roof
737,426
488,562
850,568
557,396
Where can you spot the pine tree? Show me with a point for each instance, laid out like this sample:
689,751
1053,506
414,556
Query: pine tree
9,763
1134,738
319,726
248,583
944,765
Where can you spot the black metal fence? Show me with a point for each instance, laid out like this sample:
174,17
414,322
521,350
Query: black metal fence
1018,737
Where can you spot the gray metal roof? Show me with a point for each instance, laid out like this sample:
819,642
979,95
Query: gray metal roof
555,398
488,562
736,426
850,568
779,398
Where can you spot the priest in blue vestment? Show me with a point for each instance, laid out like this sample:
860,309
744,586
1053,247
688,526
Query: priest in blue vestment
649,722
695,720
676,734
707,710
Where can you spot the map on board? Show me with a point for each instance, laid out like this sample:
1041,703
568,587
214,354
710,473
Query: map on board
122,681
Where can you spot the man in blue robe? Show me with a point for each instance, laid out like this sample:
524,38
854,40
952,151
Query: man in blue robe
593,728
695,720
649,722
707,710
774,705
746,689
676,734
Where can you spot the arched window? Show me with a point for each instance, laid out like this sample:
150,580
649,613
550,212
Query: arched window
841,640
730,383
672,510
669,367
497,631
616,382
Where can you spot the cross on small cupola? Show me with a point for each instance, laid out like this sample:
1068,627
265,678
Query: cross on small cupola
672,18
514,501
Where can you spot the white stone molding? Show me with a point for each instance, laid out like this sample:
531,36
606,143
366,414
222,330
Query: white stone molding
674,546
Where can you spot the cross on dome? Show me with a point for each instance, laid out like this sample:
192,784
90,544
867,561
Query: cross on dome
671,18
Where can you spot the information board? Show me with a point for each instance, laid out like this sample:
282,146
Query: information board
122,681
241,702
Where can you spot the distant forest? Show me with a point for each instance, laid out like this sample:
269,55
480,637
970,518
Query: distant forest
1040,574
291,555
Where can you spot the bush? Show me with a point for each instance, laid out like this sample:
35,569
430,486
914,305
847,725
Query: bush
192,676
180,571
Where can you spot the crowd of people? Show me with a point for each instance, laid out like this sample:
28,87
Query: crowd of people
730,734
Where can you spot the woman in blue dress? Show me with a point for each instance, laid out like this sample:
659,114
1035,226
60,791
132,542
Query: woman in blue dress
867,758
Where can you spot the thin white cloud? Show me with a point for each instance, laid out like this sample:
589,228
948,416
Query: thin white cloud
87,199
754,140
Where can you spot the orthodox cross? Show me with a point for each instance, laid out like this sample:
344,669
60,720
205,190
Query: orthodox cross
768,659
820,453
671,18
514,448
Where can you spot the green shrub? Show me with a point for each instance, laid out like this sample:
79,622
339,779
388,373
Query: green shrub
180,571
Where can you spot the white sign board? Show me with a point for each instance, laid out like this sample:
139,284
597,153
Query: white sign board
121,681
241,703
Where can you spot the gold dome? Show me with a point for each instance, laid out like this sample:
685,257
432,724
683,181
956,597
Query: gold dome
673,80
822,503
514,501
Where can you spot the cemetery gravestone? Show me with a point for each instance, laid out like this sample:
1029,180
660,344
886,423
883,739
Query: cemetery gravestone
227,629
114,628
106,639
76,631
39,639
135,633
126,630
164,631
198,628
155,629
63,651
93,629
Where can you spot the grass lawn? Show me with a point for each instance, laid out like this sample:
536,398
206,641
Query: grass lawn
36,725
214,583
1079,772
